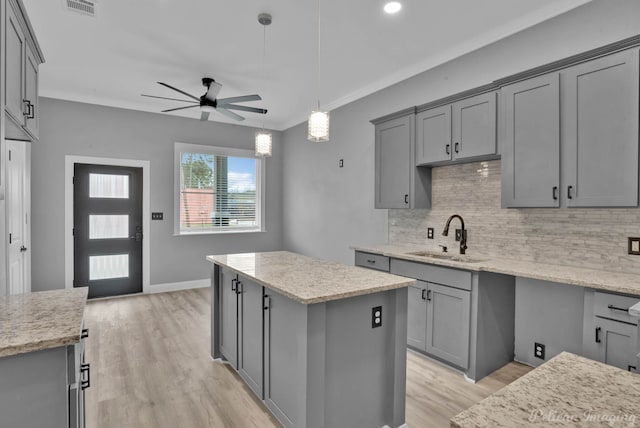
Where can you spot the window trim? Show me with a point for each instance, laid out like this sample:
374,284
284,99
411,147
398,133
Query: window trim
218,151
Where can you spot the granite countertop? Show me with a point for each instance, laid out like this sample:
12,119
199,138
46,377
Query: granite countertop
593,278
308,280
568,390
42,320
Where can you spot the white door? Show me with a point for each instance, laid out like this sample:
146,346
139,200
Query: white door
17,205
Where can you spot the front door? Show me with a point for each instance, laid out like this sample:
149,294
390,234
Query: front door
107,230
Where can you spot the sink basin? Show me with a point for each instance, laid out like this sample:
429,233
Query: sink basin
444,256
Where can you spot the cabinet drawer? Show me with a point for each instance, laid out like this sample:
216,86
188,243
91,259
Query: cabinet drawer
431,273
373,261
614,306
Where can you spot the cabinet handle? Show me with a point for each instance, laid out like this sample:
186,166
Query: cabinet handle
446,148
233,284
598,334
428,295
456,147
555,193
406,199
267,305
423,296
616,308
85,368
85,333
238,287
631,368
26,110
373,262
569,189
32,111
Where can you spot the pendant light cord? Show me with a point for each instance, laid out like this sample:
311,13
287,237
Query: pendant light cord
318,82
264,56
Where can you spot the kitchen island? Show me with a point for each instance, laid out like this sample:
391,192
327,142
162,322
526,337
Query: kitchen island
323,344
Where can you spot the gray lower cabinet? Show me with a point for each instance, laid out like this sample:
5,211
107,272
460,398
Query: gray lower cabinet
448,312
462,131
398,182
229,316
44,388
417,316
570,138
250,334
530,140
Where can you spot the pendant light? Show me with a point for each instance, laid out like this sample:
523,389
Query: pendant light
318,119
263,137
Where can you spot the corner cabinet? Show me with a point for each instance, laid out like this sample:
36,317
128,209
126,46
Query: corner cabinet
463,131
570,138
398,182
22,58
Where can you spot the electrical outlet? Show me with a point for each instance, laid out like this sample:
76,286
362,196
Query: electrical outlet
634,246
157,216
430,233
458,234
376,317
538,350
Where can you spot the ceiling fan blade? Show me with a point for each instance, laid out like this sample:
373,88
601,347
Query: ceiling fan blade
178,90
204,115
212,93
245,108
229,113
165,98
180,108
240,99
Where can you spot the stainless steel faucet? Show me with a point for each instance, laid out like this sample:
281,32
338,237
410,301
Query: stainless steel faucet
463,232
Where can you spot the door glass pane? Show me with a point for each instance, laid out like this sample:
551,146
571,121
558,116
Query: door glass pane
108,186
112,266
108,226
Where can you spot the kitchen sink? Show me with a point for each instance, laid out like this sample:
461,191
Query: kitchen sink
444,256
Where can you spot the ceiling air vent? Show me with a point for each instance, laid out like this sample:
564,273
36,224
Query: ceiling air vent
84,7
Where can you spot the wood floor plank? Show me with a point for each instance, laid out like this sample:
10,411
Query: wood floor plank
150,367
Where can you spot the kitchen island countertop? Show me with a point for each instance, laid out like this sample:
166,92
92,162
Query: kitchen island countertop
36,321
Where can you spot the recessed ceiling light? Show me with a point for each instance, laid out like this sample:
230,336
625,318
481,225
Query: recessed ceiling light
392,7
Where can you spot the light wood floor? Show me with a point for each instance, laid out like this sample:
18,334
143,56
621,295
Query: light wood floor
150,367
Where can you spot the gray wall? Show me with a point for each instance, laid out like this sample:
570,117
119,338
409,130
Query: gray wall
326,208
69,128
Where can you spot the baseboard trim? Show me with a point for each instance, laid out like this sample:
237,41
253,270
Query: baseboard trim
176,286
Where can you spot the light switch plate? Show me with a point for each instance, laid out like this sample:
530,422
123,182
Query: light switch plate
634,246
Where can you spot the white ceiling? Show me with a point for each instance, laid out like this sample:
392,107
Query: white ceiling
113,58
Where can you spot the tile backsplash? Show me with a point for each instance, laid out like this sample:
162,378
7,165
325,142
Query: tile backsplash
592,238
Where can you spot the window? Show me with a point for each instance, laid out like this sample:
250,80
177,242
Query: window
218,190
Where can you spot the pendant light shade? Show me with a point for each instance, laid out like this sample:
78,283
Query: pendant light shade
263,143
263,138
318,126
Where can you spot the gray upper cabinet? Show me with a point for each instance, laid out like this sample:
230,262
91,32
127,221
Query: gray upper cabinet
448,316
600,131
399,184
462,131
15,61
229,316
530,139
417,316
31,90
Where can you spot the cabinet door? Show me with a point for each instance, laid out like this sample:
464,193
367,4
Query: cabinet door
474,127
229,316
600,132
394,142
448,315
417,316
32,120
433,135
14,66
616,343
250,334
530,142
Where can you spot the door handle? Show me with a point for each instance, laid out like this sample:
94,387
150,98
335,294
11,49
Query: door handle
555,193
138,235
446,149
85,333
598,334
233,285
406,199
456,147
423,296
569,189
267,304
32,111
428,295
238,287
23,249
85,368
26,110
